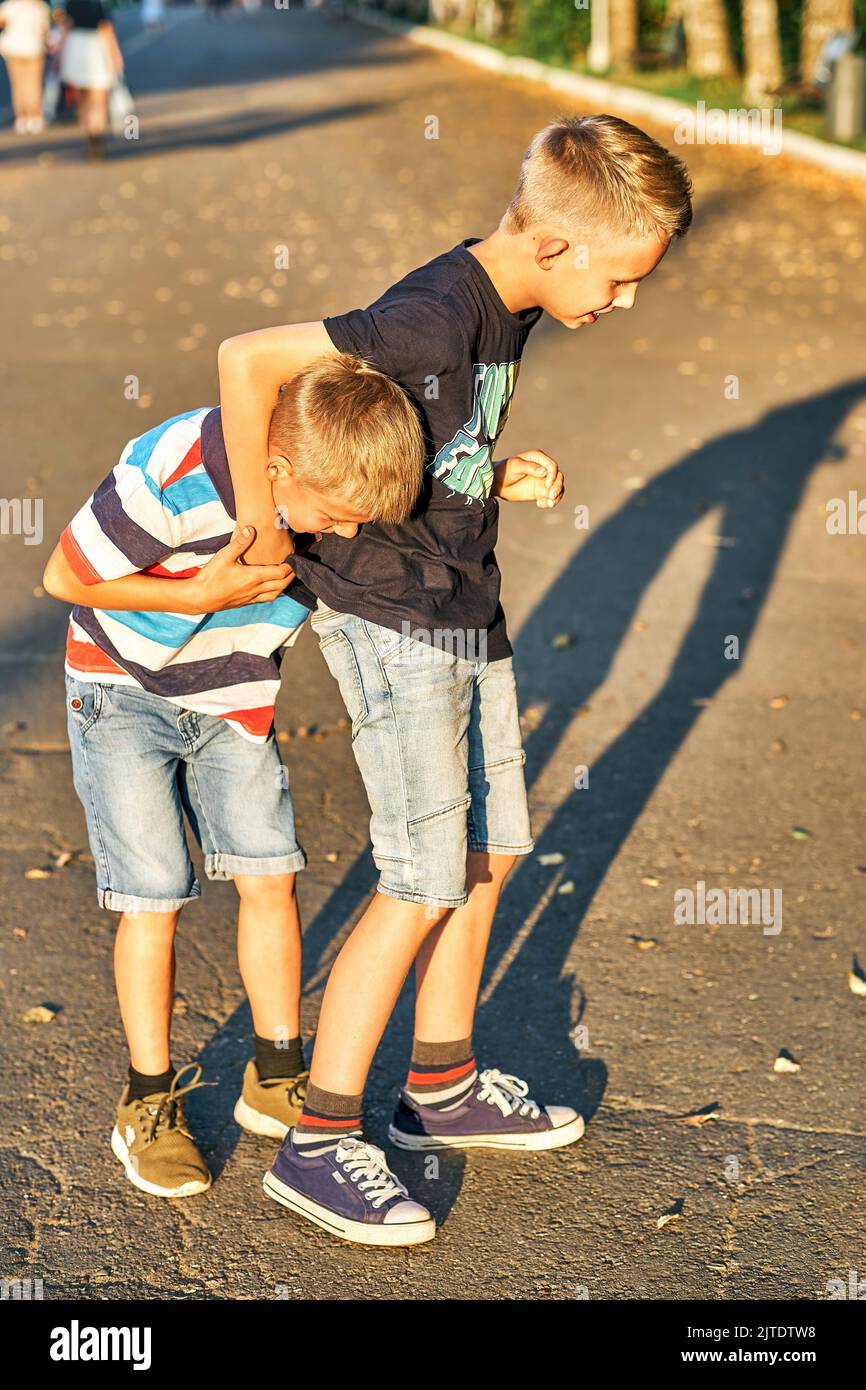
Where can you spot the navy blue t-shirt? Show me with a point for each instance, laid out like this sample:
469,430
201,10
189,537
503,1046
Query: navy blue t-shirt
445,336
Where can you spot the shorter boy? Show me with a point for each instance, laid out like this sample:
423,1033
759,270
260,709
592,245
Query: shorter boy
170,711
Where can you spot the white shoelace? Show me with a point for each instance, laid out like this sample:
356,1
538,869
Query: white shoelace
365,1165
509,1093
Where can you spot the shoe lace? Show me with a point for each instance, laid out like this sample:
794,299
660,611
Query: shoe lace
168,1111
298,1089
365,1166
507,1092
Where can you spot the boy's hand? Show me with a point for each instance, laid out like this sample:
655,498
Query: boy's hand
227,581
532,476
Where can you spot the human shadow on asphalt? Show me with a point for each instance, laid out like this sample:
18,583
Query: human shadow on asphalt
242,128
755,477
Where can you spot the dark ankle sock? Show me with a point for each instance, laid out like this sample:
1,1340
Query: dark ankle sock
326,1119
141,1085
441,1074
274,1060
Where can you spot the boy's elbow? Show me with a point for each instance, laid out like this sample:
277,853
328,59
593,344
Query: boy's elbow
54,579
230,352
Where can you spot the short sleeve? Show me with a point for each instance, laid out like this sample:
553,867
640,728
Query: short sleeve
122,529
409,339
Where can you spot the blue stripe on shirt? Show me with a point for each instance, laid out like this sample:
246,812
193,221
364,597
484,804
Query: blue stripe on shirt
172,630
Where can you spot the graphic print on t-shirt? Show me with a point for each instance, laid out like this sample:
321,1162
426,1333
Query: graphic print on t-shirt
465,463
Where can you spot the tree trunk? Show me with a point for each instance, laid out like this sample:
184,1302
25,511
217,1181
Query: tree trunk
492,18
623,32
763,51
708,43
821,18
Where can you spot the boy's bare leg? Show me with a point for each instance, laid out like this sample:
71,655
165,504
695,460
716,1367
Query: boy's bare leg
451,959
144,975
364,983
269,952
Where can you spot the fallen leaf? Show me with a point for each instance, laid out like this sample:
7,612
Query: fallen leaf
778,702
567,887
20,932
643,943
672,1213
332,856
563,639
63,859
823,935
785,1062
857,978
37,873
531,717
548,860
779,746
704,1115
800,832
39,1014
650,882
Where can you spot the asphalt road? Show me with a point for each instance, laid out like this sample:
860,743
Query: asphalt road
707,520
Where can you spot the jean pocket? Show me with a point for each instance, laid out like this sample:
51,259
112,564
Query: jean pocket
343,665
389,644
84,702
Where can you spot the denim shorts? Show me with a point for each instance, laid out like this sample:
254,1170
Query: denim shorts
436,738
139,762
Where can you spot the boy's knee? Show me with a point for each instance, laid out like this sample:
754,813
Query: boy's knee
265,888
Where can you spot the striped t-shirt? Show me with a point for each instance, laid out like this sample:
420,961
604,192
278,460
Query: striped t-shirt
165,510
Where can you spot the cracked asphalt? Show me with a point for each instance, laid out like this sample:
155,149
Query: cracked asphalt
705,431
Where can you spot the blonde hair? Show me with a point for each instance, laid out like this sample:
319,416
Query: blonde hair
352,432
601,171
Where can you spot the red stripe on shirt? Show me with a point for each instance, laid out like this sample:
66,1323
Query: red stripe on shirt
190,461
77,560
162,573
424,1078
87,657
255,721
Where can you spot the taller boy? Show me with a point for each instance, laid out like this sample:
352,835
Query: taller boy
435,731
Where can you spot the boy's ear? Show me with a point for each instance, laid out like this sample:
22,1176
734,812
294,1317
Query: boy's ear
279,467
549,249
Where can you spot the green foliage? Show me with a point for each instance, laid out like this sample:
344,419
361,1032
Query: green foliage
553,31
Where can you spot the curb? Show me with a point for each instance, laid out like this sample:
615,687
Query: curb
601,93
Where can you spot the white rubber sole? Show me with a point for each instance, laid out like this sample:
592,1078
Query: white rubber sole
542,1139
188,1189
254,1122
402,1233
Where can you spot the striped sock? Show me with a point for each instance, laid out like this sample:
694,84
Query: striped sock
441,1075
326,1119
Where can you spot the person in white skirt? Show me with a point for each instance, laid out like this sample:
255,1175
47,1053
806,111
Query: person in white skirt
91,60
24,26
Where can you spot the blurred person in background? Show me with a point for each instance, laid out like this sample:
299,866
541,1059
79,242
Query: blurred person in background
91,60
24,26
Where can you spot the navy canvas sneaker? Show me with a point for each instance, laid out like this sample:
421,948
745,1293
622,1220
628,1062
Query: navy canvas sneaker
350,1191
496,1114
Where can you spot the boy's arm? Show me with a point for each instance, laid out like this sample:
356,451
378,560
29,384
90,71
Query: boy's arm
252,368
224,582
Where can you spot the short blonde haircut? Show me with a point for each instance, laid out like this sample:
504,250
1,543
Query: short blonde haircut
352,433
600,171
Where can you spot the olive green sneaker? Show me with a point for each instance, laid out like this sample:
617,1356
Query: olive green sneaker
154,1145
270,1108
